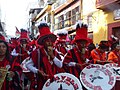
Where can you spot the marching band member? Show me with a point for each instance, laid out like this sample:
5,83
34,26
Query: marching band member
114,57
99,54
76,60
22,51
45,61
11,77
61,41
13,44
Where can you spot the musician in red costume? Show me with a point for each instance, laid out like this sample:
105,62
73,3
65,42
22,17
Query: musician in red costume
76,60
45,61
12,79
22,51
61,42
13,44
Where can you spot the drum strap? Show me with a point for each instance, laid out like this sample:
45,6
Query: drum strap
40,64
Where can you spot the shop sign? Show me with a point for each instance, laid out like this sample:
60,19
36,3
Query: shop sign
116,14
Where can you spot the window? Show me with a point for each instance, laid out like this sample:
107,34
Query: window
75,15
89,23
61,23
68,19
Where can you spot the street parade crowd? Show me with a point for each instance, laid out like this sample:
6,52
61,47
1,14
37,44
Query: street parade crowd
27,64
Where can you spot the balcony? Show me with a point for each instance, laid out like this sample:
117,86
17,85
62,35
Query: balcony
108,5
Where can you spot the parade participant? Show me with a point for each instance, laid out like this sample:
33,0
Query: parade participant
22,51
99,54
61,42
45,60
2,37
114,57
13,44
9,69
76,60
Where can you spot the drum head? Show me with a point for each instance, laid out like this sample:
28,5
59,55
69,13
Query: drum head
63,81
114,68
97,77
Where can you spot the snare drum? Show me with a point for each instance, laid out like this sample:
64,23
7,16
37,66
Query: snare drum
114,68
97,77
63,81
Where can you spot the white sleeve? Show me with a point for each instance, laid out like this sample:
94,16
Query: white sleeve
30,66
57,62
13,53
28,52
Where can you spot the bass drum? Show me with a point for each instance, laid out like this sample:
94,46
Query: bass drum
97,77
114,68
63,81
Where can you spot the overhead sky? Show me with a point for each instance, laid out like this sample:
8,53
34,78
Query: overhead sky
15,13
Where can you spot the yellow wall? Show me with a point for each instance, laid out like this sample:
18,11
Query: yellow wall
99,26
100,22
110,18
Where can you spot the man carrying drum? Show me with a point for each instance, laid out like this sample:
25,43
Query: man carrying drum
76,60
45,61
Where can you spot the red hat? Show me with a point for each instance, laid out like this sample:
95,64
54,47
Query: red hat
44,31
2,37
62,35
81,32
14,41
24,35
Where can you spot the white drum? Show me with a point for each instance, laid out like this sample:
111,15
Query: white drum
114,68
63,81
97,77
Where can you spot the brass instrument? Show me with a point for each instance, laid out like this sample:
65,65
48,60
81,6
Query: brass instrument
3,73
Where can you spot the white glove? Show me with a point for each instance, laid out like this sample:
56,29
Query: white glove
71,63
87,60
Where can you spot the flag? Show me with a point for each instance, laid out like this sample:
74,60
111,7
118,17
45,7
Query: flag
17,31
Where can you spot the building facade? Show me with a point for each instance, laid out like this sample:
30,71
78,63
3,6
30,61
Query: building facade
102,17
109,11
